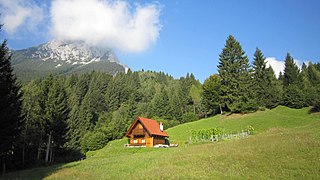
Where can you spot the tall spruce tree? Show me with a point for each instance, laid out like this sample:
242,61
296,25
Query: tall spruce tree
77,93
274,89
56,108
10,107
313,73
308,89
266,87
33,133
259,74
160,103
291,71
236,82
175,109
195,94
293,87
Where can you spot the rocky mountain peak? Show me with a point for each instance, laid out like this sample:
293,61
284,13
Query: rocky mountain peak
74,52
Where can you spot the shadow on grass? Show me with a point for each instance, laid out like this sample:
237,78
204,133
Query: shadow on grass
314,110
37,173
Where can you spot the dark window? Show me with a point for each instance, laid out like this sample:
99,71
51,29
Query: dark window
138,136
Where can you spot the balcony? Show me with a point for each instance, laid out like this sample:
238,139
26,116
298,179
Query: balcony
138,132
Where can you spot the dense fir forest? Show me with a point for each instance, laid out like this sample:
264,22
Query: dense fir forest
62,118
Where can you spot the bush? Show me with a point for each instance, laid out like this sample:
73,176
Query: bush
189,117
262,108
93,141
206,134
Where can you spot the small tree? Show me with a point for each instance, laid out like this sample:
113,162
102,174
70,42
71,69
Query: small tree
211,94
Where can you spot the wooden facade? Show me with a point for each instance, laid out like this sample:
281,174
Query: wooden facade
146,132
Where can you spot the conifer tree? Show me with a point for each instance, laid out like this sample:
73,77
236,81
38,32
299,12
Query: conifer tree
291,71
10,107
308,89
274,92
313,73
293,87
195,94
175,101
160,103
56,113
236,82
266,87
33,133
259,74
76,93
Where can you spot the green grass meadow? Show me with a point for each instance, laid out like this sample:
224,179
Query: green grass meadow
285,145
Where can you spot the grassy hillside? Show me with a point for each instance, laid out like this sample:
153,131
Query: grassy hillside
286,145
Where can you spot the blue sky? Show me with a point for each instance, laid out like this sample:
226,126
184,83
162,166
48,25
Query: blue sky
193,33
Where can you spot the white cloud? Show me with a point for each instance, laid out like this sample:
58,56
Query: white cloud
18,13
278,65
106,23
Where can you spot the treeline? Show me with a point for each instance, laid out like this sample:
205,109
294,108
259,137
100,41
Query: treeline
240,87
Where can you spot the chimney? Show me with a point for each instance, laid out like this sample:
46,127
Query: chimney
161,126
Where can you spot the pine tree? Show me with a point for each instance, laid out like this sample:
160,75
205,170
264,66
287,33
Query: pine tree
56,113
313,73
234,71
175,109
293,89
309,92
266,87
160,103
291,71
77,91
195,94
121,120
10,107
274,92
33,133
259,75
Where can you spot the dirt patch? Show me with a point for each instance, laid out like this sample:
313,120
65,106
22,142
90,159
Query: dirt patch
276,130
234,116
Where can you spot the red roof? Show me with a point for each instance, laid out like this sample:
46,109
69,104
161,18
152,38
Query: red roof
152,126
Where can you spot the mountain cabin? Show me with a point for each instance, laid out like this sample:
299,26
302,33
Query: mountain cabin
146,132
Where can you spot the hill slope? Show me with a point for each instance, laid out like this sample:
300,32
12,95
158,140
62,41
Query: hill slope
286,145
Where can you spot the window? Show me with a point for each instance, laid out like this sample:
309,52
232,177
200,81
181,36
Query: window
143,141
135,141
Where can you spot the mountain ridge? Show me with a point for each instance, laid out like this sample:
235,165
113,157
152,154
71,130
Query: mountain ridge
64,58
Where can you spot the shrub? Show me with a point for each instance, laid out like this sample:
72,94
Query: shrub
189,117
206,134
93,141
